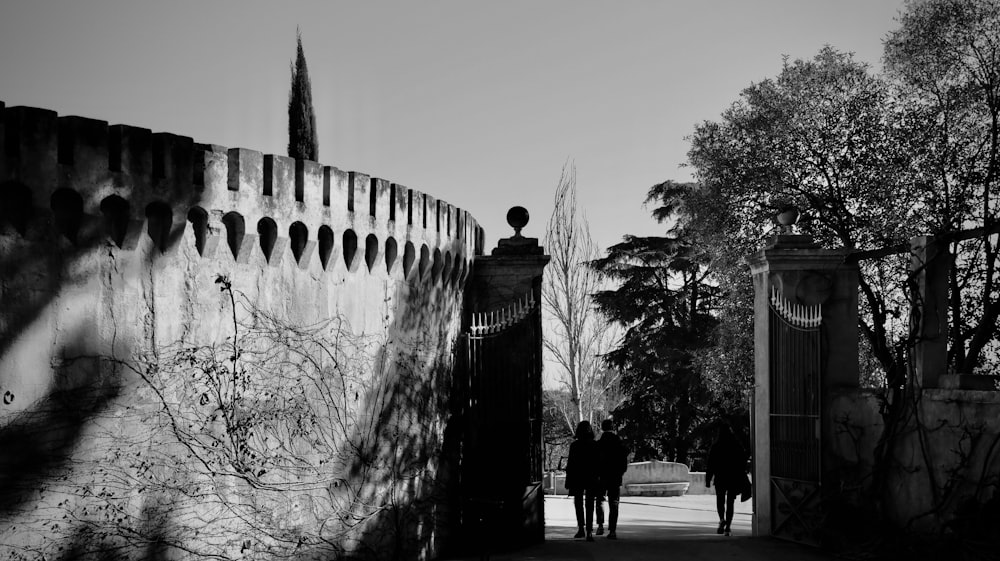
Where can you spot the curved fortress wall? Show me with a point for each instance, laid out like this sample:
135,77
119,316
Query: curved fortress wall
256,349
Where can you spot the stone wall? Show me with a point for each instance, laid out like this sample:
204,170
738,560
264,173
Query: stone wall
945,455
211,351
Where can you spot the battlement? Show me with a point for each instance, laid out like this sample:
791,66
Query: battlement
129,181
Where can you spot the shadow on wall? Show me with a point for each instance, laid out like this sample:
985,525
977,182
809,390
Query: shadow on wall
411,450
104,466
38,443
53,244
56,386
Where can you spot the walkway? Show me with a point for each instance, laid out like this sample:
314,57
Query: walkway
667,528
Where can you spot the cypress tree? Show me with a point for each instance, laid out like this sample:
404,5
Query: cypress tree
302,142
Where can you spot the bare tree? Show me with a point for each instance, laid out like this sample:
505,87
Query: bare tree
579,335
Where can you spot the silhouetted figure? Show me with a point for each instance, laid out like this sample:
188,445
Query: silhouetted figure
582,477
727,463
613,463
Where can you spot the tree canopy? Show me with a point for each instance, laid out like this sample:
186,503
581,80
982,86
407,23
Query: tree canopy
667,306
870,159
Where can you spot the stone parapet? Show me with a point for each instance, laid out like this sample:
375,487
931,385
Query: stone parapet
122,175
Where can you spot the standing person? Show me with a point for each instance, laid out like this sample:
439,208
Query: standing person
582,479
727,463
613,463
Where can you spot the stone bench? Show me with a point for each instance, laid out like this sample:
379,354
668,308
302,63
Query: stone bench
675,489
651,479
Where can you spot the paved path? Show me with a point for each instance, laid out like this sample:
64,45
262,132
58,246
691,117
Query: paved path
658,528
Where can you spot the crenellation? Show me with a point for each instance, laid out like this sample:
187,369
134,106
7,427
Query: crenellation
379,197
212,161
173,167
430,214
121,183
309,186
359,191
32,147
132,156
421,210
82,144
246,171
84,167
280,186
339,191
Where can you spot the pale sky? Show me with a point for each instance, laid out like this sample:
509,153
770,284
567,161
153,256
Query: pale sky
475,102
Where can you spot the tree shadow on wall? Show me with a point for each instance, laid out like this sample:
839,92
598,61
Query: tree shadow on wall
412,448
45,251
38,469
381,493
54,385
285,442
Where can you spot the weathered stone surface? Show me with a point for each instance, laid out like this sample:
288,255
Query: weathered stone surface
104,340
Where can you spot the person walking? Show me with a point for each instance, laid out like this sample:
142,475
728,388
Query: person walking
582,479
613,463
727,463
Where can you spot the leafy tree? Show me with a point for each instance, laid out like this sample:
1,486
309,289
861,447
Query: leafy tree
871,160
824,136
945,63
302,141
726,364
839,142
667,307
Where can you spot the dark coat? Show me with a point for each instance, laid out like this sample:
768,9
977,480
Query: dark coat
614,459
583,467
727,463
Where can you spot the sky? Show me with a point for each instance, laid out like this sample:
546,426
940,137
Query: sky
480,103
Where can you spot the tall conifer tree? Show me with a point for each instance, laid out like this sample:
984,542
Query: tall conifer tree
302,142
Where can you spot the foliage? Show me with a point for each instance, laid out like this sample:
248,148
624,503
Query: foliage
302,141
823,135
945,62
838,141
871,161
668,309
578,335
726,363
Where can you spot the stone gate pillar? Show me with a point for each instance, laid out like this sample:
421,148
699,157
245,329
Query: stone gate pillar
502,472
808,296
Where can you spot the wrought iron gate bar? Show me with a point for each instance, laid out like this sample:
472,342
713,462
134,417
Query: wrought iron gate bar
495,321
798,315
502,455
794,412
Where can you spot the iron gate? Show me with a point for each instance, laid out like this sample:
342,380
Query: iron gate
795,419
502,460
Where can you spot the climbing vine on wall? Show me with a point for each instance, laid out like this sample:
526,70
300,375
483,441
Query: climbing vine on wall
279,441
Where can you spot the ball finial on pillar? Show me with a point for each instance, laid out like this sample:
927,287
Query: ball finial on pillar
517,217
